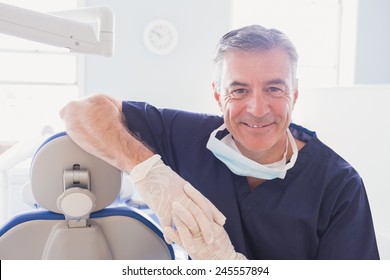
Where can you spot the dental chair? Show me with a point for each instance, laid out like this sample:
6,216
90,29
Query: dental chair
79,219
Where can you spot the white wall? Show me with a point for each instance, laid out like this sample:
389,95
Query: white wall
181,79
354,122
373,42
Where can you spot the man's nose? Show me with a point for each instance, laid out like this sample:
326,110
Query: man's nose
258,104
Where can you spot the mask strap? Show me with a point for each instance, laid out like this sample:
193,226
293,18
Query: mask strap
282,162
294,150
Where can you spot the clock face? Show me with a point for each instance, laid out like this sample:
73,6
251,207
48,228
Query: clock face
160,37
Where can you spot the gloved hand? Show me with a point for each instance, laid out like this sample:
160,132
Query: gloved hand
160,186
187,236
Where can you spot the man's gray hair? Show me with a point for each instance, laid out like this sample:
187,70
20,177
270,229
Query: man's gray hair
254,38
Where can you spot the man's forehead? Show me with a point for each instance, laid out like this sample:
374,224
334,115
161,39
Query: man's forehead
272,66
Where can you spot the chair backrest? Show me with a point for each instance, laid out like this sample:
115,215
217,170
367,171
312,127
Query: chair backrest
77,190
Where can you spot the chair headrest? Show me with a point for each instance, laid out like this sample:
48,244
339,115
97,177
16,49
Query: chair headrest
58,156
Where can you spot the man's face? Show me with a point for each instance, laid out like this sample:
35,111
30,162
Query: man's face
256,96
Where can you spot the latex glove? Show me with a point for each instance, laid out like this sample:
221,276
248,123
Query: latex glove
187,236
160,186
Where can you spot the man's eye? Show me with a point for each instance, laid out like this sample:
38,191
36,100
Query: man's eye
275,91
239,91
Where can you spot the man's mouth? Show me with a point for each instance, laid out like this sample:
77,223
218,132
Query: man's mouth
257,125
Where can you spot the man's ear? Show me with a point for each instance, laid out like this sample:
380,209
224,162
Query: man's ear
217,95
295,94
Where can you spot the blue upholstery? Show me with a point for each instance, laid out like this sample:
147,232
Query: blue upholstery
107,212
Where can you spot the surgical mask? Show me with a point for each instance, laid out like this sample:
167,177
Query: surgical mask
227,151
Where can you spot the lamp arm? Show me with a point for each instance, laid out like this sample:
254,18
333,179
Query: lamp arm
85,30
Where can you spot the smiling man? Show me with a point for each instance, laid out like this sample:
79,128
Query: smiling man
284,193
256,92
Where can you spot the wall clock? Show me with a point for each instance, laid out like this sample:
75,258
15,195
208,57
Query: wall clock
160,37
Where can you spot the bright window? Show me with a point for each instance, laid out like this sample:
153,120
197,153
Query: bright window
36,80
321,30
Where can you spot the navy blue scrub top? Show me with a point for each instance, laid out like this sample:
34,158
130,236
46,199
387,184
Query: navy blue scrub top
319,211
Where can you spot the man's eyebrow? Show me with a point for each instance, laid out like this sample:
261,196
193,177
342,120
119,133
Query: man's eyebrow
237,83
276,82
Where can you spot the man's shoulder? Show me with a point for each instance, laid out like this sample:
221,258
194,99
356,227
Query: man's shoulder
319,155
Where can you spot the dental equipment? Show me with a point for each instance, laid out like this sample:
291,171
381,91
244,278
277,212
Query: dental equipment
84,30
78,216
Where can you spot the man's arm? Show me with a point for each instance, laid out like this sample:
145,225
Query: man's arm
350,233
96,124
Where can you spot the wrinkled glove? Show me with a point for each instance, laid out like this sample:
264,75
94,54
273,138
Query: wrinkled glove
160,186
189,237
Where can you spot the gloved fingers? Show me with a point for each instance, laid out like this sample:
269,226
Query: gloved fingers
167,237
187,228
205,205
185,236
185,216
165,221
218,217
172,235
201,220
200,200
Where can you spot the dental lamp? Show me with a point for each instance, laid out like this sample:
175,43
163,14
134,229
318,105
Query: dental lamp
84,30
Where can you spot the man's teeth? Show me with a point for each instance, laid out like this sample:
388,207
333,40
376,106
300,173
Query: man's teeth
255,126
